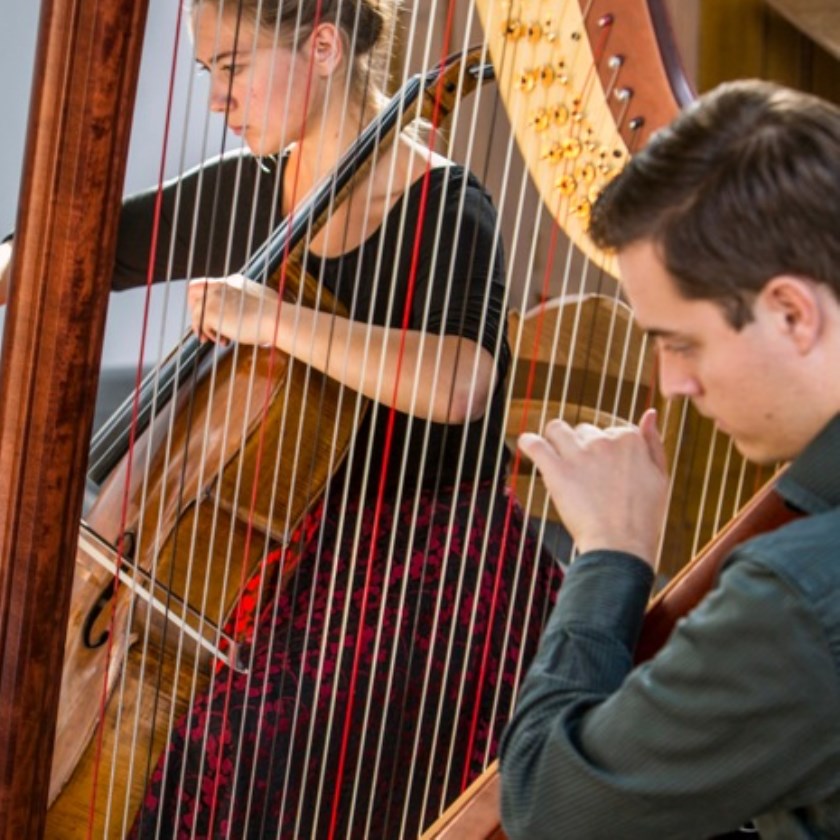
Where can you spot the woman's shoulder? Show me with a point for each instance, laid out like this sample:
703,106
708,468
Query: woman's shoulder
447,184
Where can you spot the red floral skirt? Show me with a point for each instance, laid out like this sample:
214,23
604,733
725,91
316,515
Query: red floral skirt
382,675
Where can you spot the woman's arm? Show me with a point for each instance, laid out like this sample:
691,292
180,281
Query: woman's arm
447,379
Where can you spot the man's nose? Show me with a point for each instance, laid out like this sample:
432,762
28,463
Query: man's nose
676,379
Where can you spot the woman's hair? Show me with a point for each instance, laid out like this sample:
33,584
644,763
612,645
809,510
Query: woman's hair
743,186
365,26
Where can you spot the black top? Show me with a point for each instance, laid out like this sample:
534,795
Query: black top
432,264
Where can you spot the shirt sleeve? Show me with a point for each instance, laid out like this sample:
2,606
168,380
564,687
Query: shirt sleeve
726,713
204,223
460,280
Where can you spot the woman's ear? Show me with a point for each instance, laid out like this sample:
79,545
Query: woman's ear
327,47
797,307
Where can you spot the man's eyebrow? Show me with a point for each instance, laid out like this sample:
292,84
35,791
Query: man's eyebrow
654,333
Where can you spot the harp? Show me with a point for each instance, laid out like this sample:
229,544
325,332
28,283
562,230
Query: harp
79,134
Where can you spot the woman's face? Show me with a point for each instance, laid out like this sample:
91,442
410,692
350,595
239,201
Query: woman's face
260,86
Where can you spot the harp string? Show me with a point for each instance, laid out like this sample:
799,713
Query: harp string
120,559
345,487
258,467
388,454
179,648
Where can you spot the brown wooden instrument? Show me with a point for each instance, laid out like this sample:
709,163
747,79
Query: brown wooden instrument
53,336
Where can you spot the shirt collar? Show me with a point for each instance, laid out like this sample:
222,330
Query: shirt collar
812,481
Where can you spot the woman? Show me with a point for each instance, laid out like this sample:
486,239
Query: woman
384,669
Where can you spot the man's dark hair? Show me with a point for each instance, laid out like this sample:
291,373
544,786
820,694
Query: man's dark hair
743,186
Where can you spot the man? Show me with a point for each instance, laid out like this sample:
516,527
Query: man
727,234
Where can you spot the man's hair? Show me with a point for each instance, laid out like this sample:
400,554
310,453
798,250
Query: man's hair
743,186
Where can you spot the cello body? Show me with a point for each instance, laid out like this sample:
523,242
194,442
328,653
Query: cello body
174,498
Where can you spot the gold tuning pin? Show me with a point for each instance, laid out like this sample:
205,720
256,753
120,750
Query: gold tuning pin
540,120
513,30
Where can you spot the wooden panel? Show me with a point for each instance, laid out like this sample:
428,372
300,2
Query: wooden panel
818,19
750,38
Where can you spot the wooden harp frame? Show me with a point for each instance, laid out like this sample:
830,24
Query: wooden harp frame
78,134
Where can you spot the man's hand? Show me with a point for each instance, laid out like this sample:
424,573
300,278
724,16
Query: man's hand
610,486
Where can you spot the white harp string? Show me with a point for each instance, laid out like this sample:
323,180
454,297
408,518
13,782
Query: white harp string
565,276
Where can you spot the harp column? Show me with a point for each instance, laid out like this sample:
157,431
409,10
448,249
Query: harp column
83,94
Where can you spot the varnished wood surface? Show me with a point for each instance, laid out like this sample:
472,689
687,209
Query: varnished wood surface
818,19
105,790
60,277
755,39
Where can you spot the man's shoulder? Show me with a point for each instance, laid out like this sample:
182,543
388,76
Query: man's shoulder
809,541
803,555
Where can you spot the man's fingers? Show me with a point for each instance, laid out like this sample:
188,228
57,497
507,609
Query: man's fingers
650,433
535,446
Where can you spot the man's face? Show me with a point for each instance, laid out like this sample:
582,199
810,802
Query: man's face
745,380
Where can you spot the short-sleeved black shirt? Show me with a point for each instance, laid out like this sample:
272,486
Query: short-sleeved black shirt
434,263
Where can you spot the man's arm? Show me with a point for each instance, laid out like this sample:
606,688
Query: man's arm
712,731
734,717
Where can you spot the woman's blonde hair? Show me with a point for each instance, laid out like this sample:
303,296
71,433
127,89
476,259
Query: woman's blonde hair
365,26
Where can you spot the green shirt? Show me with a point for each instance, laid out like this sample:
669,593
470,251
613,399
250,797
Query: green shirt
736,718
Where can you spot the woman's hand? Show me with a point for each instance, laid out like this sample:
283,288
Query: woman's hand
233,308
5,265
610,486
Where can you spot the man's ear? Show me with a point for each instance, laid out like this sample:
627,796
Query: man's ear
796,304
327,48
